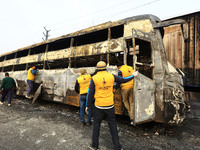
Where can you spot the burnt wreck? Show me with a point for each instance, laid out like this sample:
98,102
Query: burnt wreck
136,41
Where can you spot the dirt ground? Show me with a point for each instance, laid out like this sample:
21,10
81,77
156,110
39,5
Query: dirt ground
53,126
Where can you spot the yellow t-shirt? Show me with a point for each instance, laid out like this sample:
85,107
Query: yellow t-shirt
84,82
30,76
126,71
103,82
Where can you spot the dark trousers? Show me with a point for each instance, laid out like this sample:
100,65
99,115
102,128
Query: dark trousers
109,115
7,92
30,87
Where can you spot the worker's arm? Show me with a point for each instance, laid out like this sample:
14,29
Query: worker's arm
118,83
126,79
34,71
90,94
123,80
77,88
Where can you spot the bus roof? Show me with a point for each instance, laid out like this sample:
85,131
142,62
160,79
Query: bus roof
89,30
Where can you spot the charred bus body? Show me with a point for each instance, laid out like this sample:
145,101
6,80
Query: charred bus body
136,41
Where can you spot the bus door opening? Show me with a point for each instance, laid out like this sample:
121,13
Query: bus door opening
144,85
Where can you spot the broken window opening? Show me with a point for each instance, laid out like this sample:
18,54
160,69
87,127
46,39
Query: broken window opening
90,38
10,56
59,44
20,67
87,61
117,32
129,50
22,53
8,68
38,49
38,65
116,58
2,58
57,64
144,58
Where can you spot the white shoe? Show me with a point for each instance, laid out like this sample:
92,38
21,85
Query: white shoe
9,105
29,97
1,103
132,123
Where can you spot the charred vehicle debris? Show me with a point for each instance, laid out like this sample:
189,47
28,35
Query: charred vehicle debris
135,41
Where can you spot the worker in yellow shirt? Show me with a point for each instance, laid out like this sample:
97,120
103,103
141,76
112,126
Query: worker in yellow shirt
30,80
126,89
81,87
101,88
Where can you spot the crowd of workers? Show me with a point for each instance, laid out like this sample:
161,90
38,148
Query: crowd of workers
96,92
8,84
96,95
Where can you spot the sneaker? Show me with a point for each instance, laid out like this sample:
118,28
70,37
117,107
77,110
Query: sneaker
29,97
1,103
93,148
88,123
9,105
132,123
82,124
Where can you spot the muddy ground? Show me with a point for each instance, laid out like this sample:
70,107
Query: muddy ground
53,126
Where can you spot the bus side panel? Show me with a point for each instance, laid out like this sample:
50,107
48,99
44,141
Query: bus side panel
72,98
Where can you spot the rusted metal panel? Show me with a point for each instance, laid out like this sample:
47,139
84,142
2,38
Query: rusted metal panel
174,98
100,48
191,52
173,40
7,62
116,45
144,110
91,49
142,25
197,50
180,52
72,98
37,93
185,54
79,51
59,54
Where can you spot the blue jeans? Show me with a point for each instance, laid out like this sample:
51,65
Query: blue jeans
30,87
82,109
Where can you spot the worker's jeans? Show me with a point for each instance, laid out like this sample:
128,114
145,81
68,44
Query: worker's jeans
127,96
82,109
30,87
109,115
5,92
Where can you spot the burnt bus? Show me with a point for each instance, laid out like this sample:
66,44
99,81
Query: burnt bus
136,41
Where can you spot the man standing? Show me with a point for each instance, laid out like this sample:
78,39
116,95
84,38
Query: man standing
81,87
101,87
126,89
7,85
30,80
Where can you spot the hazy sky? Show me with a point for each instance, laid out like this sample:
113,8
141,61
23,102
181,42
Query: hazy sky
23,21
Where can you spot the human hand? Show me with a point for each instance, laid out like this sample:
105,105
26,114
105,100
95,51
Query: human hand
86,110
114,90
135,73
